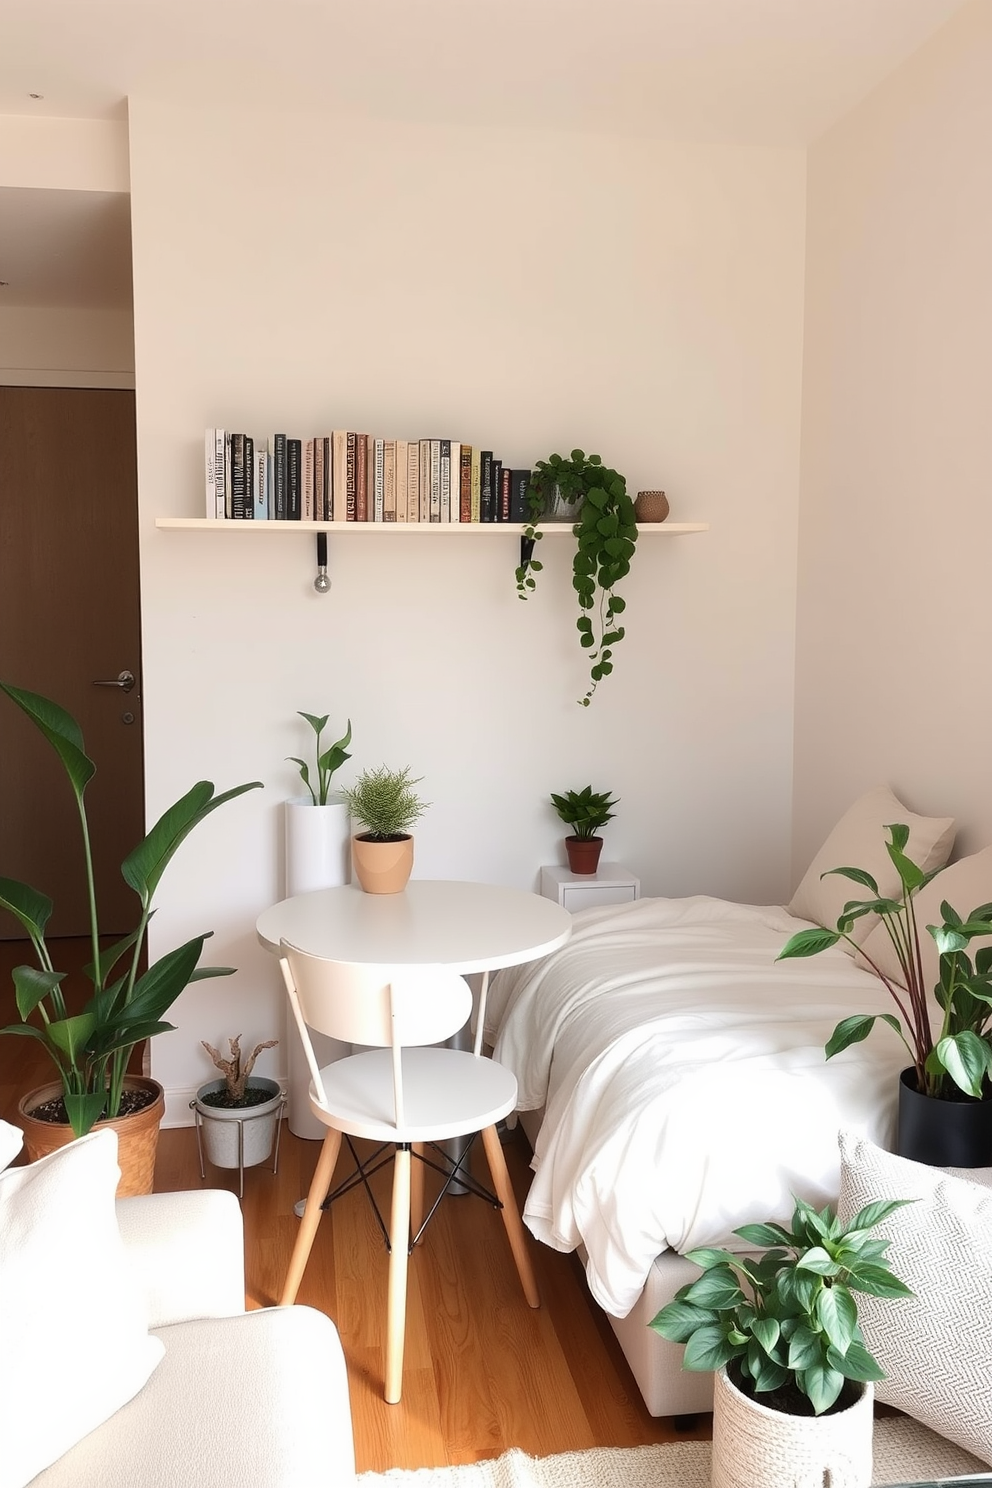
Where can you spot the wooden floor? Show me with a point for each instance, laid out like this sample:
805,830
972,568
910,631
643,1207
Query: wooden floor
483,1372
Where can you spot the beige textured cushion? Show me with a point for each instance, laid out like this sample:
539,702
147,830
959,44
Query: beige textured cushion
858,841
935,1347
965,885
74,1340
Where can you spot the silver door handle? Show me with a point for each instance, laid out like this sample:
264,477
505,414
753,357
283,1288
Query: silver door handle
123,680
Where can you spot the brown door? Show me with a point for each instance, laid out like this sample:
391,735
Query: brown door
69,618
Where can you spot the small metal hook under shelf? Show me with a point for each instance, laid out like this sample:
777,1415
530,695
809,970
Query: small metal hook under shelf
322,583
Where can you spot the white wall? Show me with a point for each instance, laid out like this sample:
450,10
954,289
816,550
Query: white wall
894,620
46,347
524,291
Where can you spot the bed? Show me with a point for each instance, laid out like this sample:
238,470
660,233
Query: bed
673,1084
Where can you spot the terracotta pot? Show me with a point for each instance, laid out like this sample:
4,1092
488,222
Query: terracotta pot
382,867
583,853
651,506
755,1447
137,1135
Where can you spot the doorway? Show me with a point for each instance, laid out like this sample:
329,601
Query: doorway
70,629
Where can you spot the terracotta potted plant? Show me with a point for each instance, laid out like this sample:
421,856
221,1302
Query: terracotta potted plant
583,490
585,811
91,1046
793,1387
237,1116
385,803
318,827
945,1093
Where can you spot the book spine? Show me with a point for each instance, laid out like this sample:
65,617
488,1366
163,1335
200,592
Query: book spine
249,477
220,474
455,512
325,478
505,491
389,480
238,477
424,504
228,504
279,477
496,482
465,484
361,477
519,486
486,486
378,481
309,457
351,478
402,466
261,482
476,482
294,479
210,473
339,476
413,481
435,483
445,479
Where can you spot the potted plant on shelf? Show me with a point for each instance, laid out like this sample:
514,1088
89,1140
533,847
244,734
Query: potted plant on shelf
945,1094
793,1387
91,1047
585,811
387,805
237,1117
317,824
605,528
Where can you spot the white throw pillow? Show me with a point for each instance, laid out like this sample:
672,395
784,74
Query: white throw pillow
858,841
965,885
935,1347
74,1340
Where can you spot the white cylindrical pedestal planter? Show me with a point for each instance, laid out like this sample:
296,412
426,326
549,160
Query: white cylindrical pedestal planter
754,1447
318,856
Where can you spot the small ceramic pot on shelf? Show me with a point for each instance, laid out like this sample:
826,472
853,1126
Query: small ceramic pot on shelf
651,506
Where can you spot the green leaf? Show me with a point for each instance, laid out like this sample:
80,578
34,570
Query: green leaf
764,1234
767,1331
678,1320
818,1261
808,943
32,986
877,1281
856,1028
317,724
837,1315
856,875
62,732
805,1348
706,1258
822,1384
70,1035
30,906
143,868
873,1214
84,1111
967,1059
857,1363
708,1349
718,1288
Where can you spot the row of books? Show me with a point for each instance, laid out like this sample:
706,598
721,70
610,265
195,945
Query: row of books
348,477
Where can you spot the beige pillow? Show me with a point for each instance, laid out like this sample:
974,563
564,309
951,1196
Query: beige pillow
858,841
965,885
936,1346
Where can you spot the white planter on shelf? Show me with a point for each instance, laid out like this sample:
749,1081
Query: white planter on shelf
318,856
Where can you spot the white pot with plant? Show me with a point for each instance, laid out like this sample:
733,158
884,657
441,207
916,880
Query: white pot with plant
237,1116
385,803
793,1387
318,827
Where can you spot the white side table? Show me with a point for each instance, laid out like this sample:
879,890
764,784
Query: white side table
611,884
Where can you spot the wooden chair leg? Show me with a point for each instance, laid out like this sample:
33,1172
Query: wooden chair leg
323,1174
399,1244
417,1190
512,1222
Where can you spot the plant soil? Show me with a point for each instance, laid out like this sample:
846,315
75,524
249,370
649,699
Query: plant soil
789,1399
54,1113
253,1096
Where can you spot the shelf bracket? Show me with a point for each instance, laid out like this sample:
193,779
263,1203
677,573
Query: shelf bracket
526,552
322,583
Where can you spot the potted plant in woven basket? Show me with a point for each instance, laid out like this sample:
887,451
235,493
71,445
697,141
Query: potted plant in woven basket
945,1093
90,1039
387,805
585,811
793,1386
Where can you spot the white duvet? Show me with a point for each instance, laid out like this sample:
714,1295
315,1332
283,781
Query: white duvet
684,1077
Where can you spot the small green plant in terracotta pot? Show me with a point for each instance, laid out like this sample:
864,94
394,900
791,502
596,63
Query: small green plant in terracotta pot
385,803
585,811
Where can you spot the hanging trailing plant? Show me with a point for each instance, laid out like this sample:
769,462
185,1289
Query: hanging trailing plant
605,529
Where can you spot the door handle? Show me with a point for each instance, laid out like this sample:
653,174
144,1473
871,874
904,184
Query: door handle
123,680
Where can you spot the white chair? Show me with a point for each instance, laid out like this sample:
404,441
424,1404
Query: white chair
399,1093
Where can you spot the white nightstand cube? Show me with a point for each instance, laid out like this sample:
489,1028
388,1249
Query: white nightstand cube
612,884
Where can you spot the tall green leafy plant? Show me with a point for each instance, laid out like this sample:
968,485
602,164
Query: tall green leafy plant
606,534
959,1058
786,1324
91,1048
327,762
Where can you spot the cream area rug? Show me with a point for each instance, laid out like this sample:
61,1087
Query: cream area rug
904,1452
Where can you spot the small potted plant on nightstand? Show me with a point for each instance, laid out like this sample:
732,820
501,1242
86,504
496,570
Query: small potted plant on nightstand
387,805
585,811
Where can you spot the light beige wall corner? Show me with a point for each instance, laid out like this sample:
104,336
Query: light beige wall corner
527,292
46,347
63,154
894,619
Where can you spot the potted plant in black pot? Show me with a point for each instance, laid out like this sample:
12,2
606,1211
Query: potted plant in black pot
90,1048
585,811
945,1094
583,490
237,1116
385,803
793,1386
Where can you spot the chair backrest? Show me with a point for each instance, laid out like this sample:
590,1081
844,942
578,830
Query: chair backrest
385,1006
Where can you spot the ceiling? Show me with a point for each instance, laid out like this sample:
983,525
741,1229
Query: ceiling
756,72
